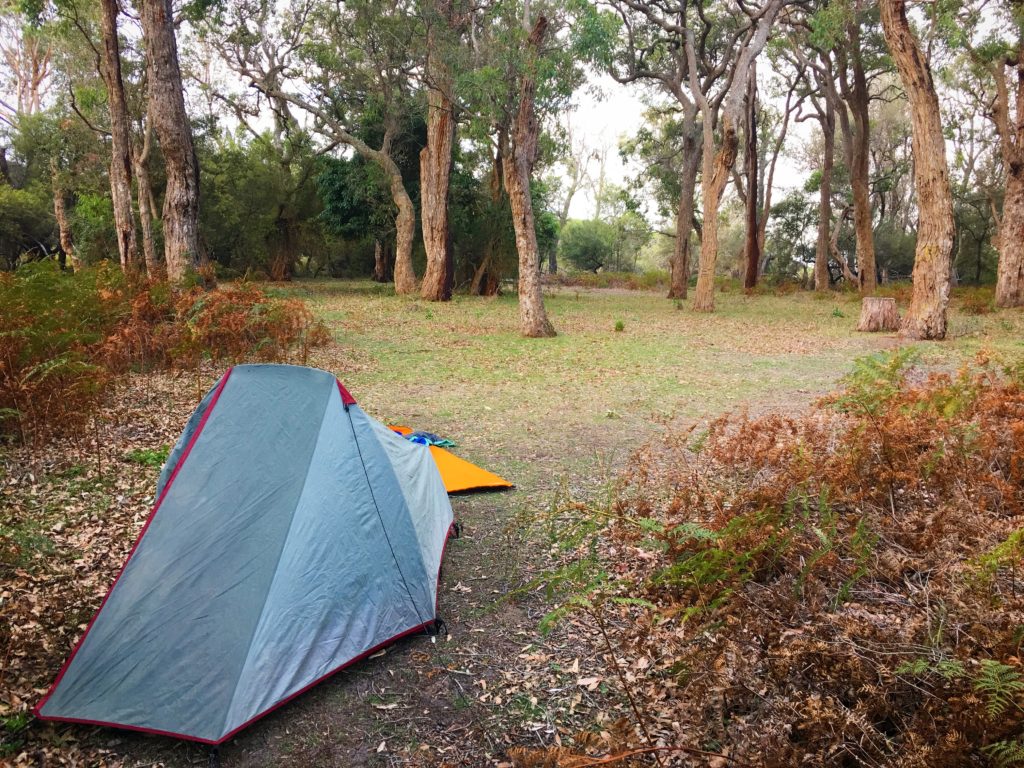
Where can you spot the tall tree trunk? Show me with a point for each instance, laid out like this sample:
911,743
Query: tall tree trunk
751,248
144,194
60,213
435,175
828,131
679,279
518,168
120,141
380,262
859,181
714,177
1010,272
182,250
405,233
926,318
858,98
1010,276
717,168
486,278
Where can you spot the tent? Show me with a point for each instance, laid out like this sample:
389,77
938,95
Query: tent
292,535
458,474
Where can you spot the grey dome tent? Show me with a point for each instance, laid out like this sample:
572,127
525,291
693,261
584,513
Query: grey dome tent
292,535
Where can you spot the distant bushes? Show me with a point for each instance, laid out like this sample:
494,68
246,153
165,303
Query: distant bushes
975,300
63,338
633,281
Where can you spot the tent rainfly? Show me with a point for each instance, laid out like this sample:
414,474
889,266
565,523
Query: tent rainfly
292,535
458,474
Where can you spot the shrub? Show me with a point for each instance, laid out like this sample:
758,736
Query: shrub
841,582
902,291
50,323
243,322
634,281
64,338
976,301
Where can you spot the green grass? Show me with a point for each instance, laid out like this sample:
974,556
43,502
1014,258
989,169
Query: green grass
623,360
149,457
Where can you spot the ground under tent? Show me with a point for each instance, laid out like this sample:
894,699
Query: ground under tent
292,535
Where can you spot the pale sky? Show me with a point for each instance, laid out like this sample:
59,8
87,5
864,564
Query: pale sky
606,111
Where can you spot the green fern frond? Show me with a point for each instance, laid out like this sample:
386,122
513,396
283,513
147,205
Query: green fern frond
1005,754
1000,684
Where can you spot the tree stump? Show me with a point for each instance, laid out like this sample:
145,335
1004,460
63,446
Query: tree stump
878,314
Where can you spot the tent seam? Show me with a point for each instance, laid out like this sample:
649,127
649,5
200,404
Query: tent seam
380,517
280,554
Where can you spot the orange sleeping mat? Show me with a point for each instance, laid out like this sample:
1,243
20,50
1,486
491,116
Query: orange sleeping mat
459,474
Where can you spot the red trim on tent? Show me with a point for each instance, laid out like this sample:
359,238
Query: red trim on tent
135,546
282,702
346,398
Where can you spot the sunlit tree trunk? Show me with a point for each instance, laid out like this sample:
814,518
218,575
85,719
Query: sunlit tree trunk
120,141
182,250
518,169
926,318
714,177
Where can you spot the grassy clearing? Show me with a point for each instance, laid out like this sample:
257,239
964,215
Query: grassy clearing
557,417
462,368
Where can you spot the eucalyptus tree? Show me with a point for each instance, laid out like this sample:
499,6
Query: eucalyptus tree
347,68
254,41
702,53
26,78
120,137
998,50
575,161
977,172
926,318
182,248
446,22
517,168
528,60
765,137
814,103
652,49
27,54
850,56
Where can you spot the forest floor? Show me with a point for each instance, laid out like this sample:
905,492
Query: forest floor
556,417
